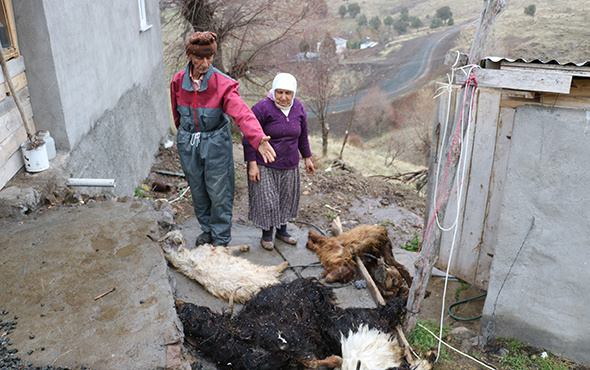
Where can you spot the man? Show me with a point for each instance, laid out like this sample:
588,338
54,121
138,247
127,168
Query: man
202,99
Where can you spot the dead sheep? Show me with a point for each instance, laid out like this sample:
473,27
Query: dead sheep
216,268
337,253
371,349
294,324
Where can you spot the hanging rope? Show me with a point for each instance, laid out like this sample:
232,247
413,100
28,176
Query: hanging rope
459,147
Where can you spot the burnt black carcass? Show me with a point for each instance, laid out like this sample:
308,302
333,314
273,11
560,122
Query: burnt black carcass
287,325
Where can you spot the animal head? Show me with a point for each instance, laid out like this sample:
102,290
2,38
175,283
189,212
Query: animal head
342,272
370,348
173,241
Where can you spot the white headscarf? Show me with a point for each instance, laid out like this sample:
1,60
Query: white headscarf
284,81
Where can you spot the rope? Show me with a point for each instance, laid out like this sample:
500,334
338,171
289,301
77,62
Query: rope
459,142
453,348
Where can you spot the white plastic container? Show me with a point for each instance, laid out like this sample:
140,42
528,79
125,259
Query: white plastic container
35,159
49,143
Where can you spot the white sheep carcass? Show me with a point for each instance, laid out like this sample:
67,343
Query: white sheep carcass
218,270
372,349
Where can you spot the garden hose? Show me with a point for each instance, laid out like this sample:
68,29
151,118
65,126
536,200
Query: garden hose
465,301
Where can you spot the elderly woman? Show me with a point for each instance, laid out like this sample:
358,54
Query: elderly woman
202,99
273,188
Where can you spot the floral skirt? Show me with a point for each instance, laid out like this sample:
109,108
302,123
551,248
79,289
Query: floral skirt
274,200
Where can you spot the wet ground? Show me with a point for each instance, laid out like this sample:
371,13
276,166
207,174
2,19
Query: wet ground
89,288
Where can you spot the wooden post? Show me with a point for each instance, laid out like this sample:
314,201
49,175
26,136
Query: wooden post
491,10
437,203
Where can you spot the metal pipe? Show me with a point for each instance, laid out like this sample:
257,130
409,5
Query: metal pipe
91,182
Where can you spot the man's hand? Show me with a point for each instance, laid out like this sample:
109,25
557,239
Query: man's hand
253,171
266,150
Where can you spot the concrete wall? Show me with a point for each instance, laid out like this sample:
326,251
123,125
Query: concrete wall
546,298
97,84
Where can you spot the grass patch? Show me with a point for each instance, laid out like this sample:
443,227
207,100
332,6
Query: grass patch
520,357
423,341
414,244
462,287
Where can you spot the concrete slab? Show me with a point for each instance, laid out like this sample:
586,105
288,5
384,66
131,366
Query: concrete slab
53,266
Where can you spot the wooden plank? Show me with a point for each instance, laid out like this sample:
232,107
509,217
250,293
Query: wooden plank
11,120
19,81
520,80
546,68
10,168
475,188
494,202
565,101
448,216
514,103
15,67
370,283
12,144
580,87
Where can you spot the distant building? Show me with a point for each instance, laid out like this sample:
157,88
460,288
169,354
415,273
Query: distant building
368,43
305,56
340,45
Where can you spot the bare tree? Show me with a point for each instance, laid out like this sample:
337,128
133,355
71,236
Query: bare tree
318,86
248,31
347,133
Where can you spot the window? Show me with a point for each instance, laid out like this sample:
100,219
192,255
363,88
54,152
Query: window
143,25
7,30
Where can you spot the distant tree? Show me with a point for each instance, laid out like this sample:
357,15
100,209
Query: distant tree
450,22
400,26
322,8
303,46
530,10
388,21
342,11
247,32
416,23
362,21
318,88
328,46
375,23
436,23
405,14
354,9
444,13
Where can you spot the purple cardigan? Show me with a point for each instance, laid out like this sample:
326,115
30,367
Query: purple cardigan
288,135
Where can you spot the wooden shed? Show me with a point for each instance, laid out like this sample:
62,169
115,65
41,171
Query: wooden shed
508,199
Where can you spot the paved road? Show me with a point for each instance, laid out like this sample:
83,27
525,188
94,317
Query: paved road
406,78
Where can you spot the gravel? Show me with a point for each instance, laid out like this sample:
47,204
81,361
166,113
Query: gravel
9,358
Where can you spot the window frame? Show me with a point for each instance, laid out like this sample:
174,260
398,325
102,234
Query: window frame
143,23
10,27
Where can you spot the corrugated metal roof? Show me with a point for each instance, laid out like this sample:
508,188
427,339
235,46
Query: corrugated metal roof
536,61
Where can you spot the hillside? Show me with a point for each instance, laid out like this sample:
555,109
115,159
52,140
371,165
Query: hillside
557,31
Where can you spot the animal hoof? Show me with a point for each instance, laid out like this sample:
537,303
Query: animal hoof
268,245
286,239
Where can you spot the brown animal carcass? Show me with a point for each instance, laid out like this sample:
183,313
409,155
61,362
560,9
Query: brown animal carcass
337,253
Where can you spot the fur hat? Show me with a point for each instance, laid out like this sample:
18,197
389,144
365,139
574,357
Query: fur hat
202,44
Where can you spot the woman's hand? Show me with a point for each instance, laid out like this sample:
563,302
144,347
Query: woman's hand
309,166
253,171
266,150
